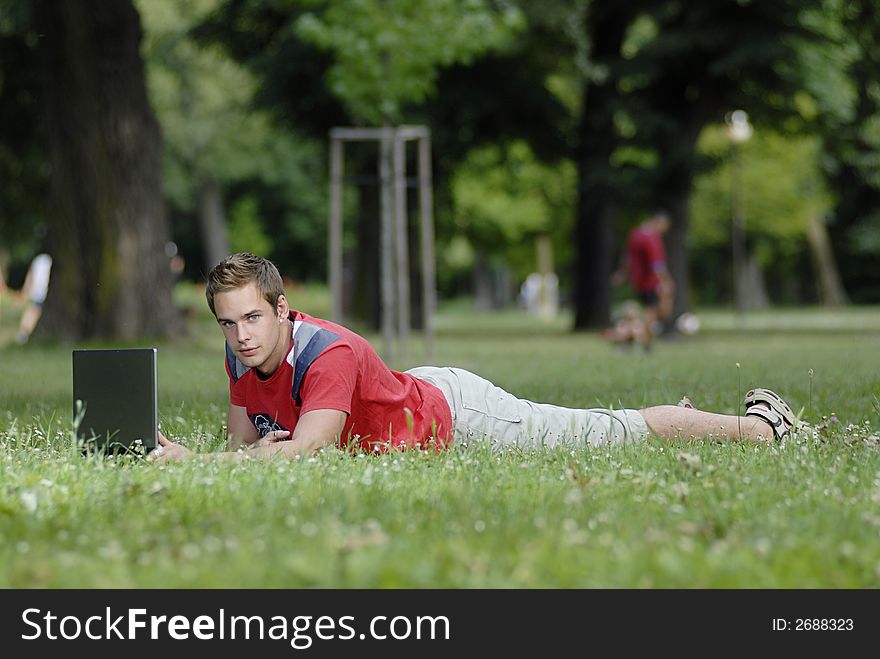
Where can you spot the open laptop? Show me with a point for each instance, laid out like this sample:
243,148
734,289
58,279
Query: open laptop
115,393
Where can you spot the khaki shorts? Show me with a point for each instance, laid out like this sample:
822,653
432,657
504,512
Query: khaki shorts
483,412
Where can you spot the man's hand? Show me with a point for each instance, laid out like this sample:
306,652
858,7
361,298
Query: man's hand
168,451
271,438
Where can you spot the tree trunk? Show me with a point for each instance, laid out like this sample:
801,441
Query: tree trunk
594,236
361,265
752,286
831,291
594,259
482,277
677,260
672,188
107,221
212,221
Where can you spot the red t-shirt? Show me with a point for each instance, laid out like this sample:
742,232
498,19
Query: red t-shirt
331,367
646,256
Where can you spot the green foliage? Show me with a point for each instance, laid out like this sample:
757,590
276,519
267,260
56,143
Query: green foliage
272,177
655,515
503,192
506,72
834,81
503,197
831,91
842,79
782,188
245,229
23,161
864,237
387,52
203,99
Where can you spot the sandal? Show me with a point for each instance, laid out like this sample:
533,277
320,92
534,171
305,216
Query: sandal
774,411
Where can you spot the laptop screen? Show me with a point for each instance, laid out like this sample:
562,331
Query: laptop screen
115,393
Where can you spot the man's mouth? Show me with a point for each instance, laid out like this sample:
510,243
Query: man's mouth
248,352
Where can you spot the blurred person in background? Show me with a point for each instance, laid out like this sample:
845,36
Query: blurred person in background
644,263
629,328
35,288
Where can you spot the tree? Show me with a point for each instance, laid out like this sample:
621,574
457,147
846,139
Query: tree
381,65
678,66
107,221
338,63
198,97
708,59
783,196
844,84
214,136
504,199
606,25
22,158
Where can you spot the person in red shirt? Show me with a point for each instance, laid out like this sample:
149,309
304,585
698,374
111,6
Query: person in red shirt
645,264
298,383
329,370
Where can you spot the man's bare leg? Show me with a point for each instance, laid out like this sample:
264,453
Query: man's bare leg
673,422
649,323
28,322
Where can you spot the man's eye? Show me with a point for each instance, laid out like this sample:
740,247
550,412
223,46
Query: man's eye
255,316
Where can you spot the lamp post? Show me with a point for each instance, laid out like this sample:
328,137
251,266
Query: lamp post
739,130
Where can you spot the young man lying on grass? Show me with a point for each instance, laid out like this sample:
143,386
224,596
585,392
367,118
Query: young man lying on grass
298,383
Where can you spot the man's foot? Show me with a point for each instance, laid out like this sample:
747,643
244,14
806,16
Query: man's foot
769,406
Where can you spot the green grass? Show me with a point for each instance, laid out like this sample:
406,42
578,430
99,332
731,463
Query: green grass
680,515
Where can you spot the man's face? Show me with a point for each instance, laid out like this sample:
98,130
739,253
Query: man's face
662,223
258,334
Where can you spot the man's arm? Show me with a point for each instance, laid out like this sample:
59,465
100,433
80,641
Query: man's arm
314,430
239,429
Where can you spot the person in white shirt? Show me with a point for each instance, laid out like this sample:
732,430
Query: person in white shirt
36,286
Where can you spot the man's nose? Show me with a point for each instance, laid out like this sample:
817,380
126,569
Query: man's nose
242,334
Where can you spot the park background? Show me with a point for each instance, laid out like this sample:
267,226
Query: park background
136,132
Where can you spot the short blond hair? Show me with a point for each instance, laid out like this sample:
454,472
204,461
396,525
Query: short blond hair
238,270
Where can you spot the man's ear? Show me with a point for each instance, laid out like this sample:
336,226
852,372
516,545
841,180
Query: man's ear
282,308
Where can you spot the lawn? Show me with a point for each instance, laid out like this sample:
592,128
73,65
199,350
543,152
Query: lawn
805,513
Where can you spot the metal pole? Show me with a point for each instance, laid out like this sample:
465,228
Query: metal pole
740,130
334,257
737,237
387,244
401,240
426,211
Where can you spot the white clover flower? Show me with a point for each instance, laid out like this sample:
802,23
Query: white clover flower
29,500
